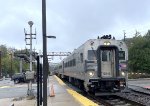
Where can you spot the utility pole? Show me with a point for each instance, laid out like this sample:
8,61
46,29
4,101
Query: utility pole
11,63
124,34
45,65
30,92
126,70
21,65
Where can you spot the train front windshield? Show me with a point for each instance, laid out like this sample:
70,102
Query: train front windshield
91,54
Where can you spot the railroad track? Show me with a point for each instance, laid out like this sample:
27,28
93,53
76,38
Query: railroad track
128,97
112,100
140,96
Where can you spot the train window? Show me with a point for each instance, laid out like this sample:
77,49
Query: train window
71,63
74,62
104,55
65,64
91,54
68,63
121,55
60,67
81,57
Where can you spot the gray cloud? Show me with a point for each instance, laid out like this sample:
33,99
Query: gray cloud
82,20
72,21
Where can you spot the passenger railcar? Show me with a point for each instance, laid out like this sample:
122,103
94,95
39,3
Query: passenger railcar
99,65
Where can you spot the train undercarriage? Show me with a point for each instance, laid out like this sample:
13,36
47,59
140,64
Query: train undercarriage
104,86
107,85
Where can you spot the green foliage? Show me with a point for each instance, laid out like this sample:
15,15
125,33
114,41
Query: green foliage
10,63
3,48
139,53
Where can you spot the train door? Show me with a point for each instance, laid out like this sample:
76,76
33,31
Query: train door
108,62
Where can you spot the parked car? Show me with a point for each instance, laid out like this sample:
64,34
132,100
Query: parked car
19,77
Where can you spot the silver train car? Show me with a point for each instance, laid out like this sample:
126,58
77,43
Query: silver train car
98,65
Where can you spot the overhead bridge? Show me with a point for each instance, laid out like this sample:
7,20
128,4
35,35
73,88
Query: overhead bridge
57,54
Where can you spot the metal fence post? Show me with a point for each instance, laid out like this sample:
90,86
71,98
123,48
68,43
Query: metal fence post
38,81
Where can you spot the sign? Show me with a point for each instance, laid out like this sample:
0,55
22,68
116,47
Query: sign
29,75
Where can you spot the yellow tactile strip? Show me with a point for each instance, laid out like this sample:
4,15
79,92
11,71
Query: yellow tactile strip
83,100
5,86
59,80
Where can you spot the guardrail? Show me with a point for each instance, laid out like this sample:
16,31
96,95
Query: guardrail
137,73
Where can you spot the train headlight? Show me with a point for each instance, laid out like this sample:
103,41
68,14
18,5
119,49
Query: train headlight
107,43
91,74
123,73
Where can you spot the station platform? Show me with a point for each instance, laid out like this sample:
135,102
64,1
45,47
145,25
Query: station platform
65,96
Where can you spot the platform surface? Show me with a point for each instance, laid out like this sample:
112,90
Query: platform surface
65,96
62,97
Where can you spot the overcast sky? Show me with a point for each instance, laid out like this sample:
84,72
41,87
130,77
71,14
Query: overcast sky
71,21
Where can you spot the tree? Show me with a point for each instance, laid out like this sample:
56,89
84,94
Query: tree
139,58
10,63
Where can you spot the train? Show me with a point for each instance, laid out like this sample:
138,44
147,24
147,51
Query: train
98,65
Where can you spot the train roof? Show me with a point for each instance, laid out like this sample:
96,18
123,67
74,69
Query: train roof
103,38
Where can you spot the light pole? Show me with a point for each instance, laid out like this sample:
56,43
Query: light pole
45,62
45,71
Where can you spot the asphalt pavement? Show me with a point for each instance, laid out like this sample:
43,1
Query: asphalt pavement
143,82
10,90
6,82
